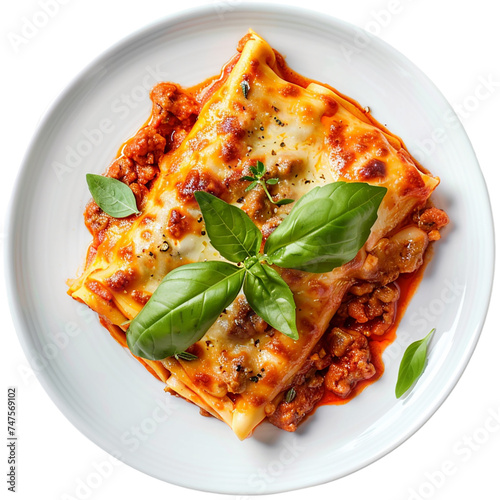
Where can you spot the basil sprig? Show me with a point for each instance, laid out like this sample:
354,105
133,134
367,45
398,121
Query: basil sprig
412,364
325,229
257,180
112,196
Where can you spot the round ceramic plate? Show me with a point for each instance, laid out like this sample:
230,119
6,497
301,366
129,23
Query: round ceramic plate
110,397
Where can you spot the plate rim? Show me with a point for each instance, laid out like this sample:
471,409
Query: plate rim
23,330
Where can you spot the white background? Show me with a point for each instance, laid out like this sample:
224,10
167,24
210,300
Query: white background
456,43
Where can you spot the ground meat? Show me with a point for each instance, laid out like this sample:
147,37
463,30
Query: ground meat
351,361
244,323
120,279
308,385
431,220
174,112
285,166
199,181
256,205
315,362
179,223
141,297
368,309
95,219
169,101
140,191
235,372
138,177
123,169
288,416
146,147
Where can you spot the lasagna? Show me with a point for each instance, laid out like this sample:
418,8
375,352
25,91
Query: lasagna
206,138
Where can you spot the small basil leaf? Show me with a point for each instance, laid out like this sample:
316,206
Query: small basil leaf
271,298
182,309
272,181
112,196
261,168
326,228
412,364
251,186
230,229
247,178
284,201
254,171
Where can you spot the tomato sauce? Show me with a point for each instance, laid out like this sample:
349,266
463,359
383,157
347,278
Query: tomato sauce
407,284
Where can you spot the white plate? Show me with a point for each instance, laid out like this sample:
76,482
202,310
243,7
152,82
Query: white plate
110,397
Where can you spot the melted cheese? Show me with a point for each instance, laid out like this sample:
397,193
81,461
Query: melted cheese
305,136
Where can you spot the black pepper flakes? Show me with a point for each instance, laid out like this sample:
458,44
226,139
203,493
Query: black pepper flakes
203,233
164,246
282,145
240,200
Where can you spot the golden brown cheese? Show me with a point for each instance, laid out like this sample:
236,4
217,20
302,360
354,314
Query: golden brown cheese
307,137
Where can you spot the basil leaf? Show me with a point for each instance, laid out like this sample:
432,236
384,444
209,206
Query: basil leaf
182,309
261,168
284,201
251,185
326,228
271,298
229,228
412,364
272,181
112,196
